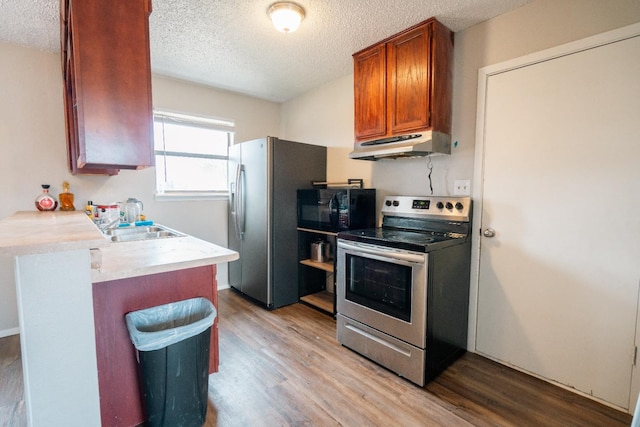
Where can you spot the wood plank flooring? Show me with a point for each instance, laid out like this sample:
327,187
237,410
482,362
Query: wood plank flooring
285,368
11,384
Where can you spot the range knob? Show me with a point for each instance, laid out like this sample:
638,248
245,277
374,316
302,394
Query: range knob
449,205
459,206
396,203
439,205
387,202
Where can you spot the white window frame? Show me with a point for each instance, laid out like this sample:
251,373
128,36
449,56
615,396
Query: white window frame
197,121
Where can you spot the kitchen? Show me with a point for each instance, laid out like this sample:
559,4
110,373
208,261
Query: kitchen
36,154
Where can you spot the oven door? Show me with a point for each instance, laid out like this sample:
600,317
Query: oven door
383,288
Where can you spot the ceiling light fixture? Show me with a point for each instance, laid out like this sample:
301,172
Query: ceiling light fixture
286,16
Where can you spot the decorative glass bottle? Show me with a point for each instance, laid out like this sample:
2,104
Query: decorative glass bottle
66,198
45,201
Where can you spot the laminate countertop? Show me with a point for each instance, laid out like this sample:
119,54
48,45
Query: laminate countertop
28,233
138,258
35,232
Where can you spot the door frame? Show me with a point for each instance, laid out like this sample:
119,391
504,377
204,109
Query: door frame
484,74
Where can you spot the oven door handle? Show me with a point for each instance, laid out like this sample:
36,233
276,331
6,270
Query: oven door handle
381,253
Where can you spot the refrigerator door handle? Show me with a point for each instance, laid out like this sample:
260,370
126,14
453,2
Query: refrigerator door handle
239,203
232,200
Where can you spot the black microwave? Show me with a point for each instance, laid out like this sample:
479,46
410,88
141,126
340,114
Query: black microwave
337,209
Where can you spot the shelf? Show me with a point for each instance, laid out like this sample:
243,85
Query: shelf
322,300
316,280
310,230
326,266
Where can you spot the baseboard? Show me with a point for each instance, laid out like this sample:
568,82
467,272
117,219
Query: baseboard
9,332
223,286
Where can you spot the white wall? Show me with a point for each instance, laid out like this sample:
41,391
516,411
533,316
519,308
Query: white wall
31,143
33,146
325,115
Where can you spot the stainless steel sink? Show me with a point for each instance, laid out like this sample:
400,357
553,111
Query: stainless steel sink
129,234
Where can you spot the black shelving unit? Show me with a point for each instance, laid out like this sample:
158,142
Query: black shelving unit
316,280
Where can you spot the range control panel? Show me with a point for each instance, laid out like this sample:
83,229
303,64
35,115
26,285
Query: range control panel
451,208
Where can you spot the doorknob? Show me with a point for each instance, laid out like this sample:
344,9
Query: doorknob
489,232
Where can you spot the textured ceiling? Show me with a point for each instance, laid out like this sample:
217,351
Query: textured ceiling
231,44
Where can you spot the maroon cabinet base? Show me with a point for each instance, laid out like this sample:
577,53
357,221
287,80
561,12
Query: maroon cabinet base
120,403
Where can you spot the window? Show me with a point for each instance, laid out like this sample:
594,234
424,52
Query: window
191,155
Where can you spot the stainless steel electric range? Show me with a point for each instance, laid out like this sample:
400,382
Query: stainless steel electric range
403,289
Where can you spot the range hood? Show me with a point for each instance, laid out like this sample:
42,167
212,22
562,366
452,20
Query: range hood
409,145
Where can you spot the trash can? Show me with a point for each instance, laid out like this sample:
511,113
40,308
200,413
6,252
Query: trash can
173,360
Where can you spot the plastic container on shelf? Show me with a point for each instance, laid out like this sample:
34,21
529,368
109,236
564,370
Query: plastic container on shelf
107,213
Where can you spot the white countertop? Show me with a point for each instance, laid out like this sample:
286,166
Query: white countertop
35,232
27,233
138,258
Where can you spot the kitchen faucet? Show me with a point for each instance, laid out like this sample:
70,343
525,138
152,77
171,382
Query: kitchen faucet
109,225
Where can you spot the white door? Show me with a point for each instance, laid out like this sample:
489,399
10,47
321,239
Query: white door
558,284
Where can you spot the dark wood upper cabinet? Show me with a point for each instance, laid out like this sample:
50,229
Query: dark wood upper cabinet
403,84
370,94
107,85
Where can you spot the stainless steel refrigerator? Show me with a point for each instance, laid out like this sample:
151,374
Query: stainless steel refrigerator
264,175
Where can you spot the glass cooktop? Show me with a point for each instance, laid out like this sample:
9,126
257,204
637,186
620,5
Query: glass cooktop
422,241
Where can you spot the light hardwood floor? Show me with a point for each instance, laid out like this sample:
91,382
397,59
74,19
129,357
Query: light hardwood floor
11,385
285,368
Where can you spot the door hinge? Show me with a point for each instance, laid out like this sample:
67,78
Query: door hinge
635,355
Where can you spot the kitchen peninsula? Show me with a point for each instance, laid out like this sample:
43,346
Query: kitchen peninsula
55,283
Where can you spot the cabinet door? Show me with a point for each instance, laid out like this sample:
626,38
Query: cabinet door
70,111
409,80
111,85
370,92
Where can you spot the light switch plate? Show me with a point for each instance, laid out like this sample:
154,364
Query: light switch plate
462,187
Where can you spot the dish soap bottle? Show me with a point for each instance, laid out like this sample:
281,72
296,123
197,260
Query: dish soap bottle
45,201
66,198
89,210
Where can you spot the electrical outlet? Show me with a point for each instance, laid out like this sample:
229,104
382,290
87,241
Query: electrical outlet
462,187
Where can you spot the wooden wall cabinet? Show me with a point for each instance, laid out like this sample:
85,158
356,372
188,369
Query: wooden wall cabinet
403,84
106,69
